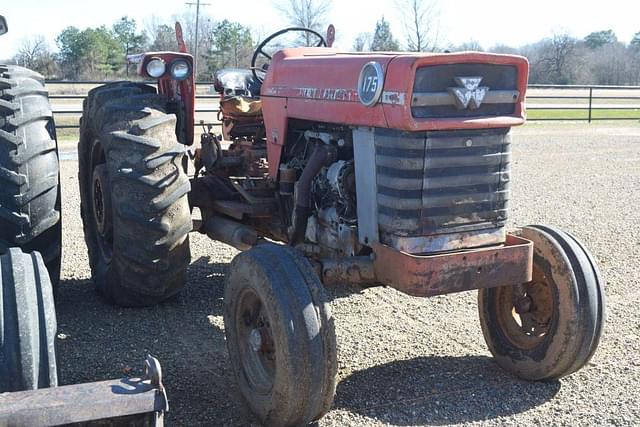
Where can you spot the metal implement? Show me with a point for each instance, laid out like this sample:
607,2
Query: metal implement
430,275
126,401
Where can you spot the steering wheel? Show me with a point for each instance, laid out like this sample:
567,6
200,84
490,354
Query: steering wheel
259,50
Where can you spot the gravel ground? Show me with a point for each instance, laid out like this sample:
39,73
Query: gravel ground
402,360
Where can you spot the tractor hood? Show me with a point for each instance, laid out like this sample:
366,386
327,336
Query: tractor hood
402,91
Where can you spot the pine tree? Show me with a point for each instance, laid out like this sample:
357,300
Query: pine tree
383,40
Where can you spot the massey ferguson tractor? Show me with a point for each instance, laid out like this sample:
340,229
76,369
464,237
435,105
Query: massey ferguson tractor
373,169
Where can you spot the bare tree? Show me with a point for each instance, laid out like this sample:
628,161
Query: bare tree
634,53
471,45
162,35
503,48
30,50
310,14
34,53
421,23
610,64
556,54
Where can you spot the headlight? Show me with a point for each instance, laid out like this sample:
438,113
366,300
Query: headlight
156,68
180,69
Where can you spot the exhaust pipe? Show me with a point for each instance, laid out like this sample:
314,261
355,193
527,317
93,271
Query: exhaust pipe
230,232
322,155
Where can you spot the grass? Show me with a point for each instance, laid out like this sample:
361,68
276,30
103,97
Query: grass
596,114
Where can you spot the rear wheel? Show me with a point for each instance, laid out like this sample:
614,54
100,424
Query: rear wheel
29,174
133,192
551,326
280,336
27,323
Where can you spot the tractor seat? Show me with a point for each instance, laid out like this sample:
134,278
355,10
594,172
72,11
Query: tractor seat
232,82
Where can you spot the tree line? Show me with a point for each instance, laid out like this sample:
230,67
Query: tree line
100,53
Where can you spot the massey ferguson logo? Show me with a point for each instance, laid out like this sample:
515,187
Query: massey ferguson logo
470,94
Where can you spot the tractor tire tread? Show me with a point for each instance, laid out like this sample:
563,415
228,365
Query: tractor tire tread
28,322
151,215
30,202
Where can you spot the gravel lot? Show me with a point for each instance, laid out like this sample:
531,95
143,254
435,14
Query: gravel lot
402,360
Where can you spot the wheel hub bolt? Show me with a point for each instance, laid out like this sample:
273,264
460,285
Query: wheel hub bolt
255,340
524,305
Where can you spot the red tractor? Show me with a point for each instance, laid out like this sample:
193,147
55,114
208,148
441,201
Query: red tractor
376,169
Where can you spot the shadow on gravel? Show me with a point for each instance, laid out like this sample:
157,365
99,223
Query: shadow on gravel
439,390
98,341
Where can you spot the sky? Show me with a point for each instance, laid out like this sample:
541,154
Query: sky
488,22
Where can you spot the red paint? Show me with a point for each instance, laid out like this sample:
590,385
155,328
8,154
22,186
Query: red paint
320,84
182,46
275,122
429,275
175,90
400,77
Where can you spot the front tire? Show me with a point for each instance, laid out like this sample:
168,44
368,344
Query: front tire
550,327
29,171
133,192
27,323
280,336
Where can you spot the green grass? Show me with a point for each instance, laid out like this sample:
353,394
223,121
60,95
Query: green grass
67,135
582,114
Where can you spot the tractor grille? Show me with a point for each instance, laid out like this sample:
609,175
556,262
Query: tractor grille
435,183
435,81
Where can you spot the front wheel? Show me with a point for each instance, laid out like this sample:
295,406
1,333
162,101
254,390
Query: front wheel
280,336
551,326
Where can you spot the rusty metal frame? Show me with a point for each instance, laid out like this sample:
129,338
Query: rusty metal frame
127,401
430,275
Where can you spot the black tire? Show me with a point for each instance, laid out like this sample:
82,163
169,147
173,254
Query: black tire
27,323
29,170
133,192
288,377
551,326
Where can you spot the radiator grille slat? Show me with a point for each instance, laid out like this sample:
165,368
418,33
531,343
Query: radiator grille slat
441,182
400,203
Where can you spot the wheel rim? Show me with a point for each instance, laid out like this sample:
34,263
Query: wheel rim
98,205
525,312
255,342
101,209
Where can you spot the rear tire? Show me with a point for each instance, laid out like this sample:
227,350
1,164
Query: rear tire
550,327
29,171
27,323
133,192
280,336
